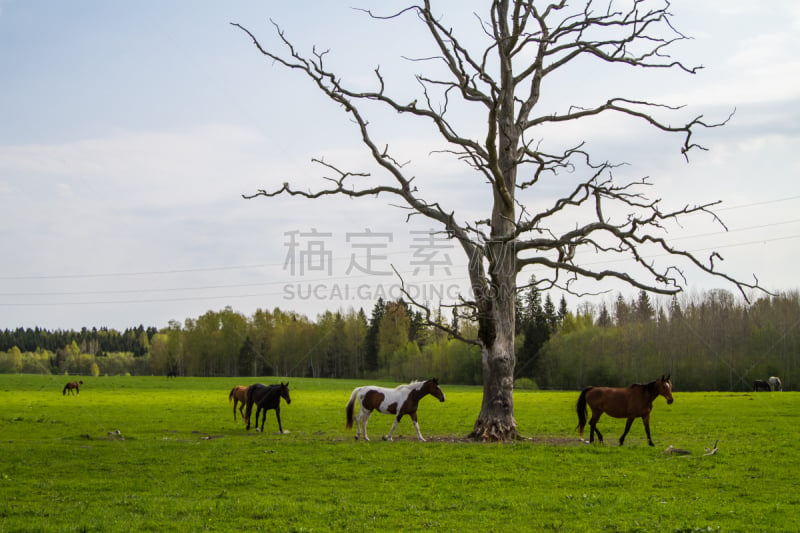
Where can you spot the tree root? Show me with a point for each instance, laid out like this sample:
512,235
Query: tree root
494,431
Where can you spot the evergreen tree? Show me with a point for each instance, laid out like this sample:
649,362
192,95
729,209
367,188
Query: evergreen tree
675,312
549,309
604,317
562,309
247,356
643,309
372,347
519,315
416,326
533,302
536,329
622,312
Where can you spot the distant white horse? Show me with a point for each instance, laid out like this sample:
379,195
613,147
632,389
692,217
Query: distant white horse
775,384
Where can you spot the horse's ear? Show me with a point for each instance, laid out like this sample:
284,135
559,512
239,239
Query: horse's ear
668,376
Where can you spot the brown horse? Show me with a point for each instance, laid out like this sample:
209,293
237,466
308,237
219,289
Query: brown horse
629,402
239,396
72,385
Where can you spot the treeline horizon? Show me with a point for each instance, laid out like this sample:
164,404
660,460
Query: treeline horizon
711,342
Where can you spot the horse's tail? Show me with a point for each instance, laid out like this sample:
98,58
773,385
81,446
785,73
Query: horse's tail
581,408
230,396
64,392
349,408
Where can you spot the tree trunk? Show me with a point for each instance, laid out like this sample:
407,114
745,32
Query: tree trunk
496,331
497,303
496,420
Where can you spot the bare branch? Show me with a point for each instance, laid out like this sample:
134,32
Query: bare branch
526,43
427,315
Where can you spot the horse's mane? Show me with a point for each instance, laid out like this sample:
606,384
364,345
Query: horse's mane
649,387
413,385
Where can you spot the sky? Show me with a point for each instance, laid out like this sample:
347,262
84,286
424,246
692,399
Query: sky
129,132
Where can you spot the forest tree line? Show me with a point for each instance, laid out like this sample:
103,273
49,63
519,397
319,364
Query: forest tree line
712,342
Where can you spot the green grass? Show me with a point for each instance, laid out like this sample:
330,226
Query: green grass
184,465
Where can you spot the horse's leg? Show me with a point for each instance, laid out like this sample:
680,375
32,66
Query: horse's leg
593,428
627,428
365,419
278,415
394,425
416,426
247,416
263,418
646,420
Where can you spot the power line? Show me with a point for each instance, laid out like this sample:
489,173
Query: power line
283,282
304,280
755,204
281,264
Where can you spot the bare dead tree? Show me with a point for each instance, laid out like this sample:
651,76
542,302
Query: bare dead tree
525,43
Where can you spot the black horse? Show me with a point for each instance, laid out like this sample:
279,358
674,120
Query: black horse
761,385
266,398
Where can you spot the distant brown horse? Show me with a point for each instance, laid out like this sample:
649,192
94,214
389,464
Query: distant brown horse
629,402
76,385
239,396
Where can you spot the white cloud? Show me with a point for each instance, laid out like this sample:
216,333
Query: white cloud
158,168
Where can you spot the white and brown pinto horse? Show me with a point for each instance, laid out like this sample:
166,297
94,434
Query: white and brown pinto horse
400,401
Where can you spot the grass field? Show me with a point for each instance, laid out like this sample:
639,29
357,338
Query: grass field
180,463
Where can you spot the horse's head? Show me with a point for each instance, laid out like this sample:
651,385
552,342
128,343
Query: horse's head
664,388
433,389
285,392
